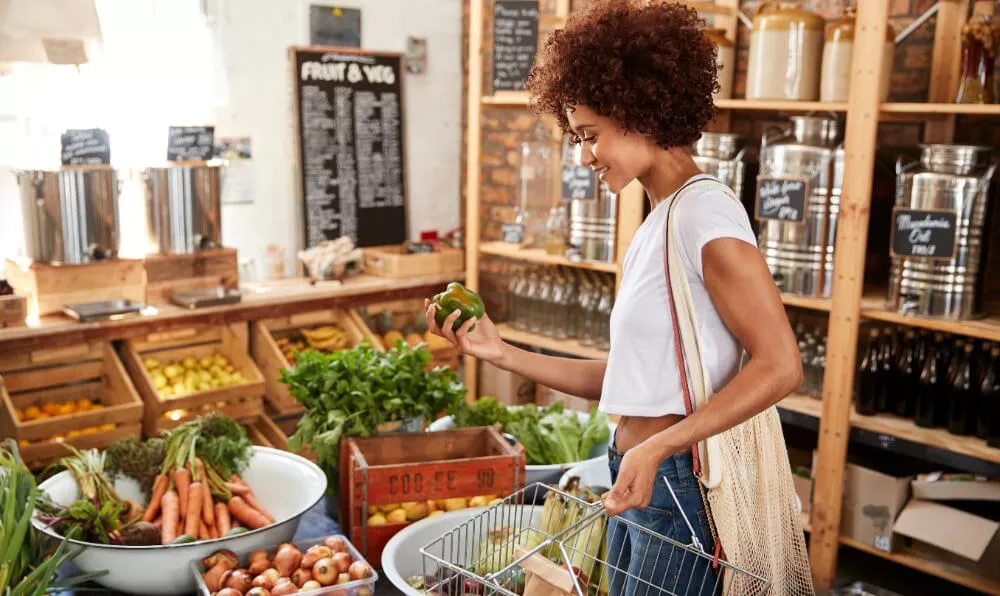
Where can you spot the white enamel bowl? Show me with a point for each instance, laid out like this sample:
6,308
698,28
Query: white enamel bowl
590,473
548,474
401,558
286,484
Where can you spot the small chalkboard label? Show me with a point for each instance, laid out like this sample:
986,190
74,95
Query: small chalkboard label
190,143
90,146
782,199
515,41
513,233
578,183
923,233
415,248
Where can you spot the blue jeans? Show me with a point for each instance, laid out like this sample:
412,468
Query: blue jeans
642,564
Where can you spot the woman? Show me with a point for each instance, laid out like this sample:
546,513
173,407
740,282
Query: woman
634,85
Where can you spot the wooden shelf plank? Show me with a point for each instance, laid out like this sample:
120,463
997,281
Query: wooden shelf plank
806,302
562,346
902,428
941,109
538,255
930,566
779,105
510,99
873,307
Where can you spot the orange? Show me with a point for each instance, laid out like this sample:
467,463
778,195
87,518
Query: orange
105,427
31,412
52,409
84,404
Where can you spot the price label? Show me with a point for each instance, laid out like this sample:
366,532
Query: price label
513,233
578,183
90,146
782,199
190,143
923,233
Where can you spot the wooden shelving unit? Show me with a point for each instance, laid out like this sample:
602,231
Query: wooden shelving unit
562,346
847,311
538,255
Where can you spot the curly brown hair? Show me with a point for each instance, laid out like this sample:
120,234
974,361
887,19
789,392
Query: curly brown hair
651,69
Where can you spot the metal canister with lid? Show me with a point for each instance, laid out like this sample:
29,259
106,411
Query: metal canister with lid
835,80
798,203
786,46
937,231
70,215
183,208
721,155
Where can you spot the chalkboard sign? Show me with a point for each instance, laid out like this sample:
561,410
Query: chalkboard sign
513,233
349,125
515,41
578,183
190,143
90,146
923,233
782,199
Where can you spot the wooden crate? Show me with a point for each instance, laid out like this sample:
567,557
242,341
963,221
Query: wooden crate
392,261
86,371
264,348
165,274
414,467
13,310
266,433
50,287
240,402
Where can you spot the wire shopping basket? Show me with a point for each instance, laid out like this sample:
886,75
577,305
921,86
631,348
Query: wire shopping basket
514,546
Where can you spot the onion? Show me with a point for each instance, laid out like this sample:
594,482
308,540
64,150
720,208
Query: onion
359,570
336,544
267,579
284,586
343,578
238,579
228,592
287,560
311,585
259,591
324,572
315,553
342,562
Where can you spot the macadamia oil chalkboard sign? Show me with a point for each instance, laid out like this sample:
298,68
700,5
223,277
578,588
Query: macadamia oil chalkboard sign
782,199
190,143
923,233
515,41
86,146
349,125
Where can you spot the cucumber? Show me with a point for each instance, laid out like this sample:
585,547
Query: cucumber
184,539
236,531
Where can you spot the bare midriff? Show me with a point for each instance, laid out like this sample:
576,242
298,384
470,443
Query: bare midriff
633,430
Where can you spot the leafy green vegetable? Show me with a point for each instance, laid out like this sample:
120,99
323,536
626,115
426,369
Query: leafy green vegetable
139,460
548,435
352,392
214,444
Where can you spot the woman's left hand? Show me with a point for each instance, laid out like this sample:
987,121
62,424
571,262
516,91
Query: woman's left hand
636,478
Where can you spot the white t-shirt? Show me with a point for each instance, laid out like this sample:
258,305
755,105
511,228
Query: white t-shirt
641,377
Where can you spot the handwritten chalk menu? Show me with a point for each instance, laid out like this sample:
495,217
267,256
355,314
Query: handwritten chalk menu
350,142
190,143
578,183
515,41
90,146
929,234
782,199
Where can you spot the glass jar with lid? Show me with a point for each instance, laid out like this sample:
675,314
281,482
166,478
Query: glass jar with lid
835,77
538,185
556,231
786,46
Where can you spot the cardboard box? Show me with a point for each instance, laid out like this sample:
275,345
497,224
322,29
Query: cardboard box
952,536
13,310
872,500
955,487
799,459
508,388
546,396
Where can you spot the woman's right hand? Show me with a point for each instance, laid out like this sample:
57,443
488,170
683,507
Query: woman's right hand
483,342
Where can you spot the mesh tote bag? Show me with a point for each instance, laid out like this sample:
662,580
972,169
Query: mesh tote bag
745,474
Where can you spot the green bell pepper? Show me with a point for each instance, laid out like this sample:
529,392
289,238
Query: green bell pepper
458,297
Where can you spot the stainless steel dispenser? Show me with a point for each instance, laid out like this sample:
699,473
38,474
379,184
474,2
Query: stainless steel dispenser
71,215
721,155
183,208
800,253
937,231
592,215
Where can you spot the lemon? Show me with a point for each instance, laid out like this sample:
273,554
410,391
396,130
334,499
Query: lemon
190,362
151,363
397,516
159,381
206,362
377,520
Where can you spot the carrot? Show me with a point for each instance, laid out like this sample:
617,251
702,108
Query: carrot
215,531
223,522
208,509
247,514
203,533
194,506
159,488
182,480
171,517
237,489
251,501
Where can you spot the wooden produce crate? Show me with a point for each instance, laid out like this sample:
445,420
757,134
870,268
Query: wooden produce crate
165,274
49,380
50,287
392,261
241,402
266,433
264,337
13,310
420,467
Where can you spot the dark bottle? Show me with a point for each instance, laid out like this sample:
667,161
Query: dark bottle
963,397
907,378
948,369
868,385
927,390
989,398
884,402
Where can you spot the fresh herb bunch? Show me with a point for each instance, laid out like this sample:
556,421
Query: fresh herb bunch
139,460
352,392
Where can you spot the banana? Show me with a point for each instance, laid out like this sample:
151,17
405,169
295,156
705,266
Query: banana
321,333
331,345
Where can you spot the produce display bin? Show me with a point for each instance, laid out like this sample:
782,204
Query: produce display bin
79,396
242,402
392,261
264,338
404,320
417,468
266,433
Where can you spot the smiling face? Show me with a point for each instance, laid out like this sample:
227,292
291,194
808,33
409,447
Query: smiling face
617,156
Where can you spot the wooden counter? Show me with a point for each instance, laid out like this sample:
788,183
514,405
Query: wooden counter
272,299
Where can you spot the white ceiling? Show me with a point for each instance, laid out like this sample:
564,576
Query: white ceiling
68,27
